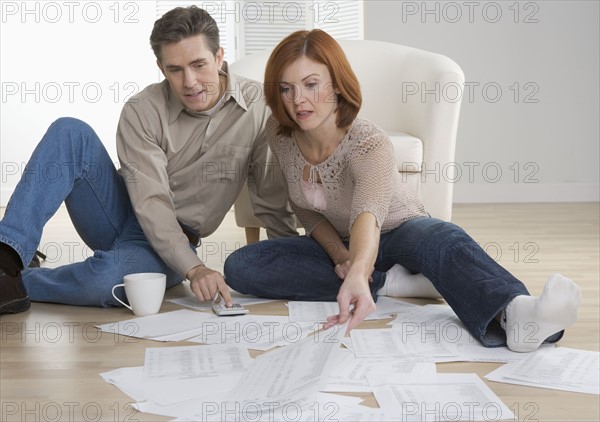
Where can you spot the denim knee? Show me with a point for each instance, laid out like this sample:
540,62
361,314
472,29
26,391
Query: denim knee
67,130
68,124
238,269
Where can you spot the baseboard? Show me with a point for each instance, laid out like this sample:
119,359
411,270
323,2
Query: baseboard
526,192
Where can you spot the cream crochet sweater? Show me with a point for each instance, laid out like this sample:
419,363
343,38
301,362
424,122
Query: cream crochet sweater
360,176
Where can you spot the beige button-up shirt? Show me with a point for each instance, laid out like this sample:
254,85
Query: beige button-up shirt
185,167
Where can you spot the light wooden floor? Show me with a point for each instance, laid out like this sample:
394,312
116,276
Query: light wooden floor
51,356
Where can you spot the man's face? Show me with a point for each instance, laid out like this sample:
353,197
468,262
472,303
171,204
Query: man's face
192,71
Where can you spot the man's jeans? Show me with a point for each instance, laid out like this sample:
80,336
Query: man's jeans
70,164
472,283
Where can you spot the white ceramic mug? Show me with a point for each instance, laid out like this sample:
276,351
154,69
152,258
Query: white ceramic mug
144,291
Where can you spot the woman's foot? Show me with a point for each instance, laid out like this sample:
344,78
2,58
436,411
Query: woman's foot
529,320
399,282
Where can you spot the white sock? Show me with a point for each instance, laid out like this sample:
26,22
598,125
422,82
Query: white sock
528,320
399,282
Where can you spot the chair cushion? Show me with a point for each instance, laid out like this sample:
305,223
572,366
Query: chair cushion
408,150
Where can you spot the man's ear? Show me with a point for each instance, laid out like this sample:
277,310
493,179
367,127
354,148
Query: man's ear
220,57
162,70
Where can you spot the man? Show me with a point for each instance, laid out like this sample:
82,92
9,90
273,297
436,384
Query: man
186,146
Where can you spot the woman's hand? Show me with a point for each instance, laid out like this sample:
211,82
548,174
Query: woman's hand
356,271
343,269
353,291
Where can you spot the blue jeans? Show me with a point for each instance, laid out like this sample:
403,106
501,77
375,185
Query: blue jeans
471,282
70,164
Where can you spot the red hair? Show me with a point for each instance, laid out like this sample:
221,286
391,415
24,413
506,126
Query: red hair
320,47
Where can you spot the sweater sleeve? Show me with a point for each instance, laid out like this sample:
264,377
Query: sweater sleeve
308,218
372,166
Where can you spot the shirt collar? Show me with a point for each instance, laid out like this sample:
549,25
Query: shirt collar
232,90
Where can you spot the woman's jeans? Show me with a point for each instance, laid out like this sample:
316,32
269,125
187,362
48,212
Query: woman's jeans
472,283
70,164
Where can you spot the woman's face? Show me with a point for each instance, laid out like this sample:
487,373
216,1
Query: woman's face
308,95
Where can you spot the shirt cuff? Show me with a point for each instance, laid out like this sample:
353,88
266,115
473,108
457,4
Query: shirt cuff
182,259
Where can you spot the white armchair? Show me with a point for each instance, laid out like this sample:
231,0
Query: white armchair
415,96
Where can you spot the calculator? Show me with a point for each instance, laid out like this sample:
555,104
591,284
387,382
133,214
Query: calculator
222,310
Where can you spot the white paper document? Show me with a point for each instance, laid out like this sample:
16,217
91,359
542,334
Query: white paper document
365,414
258,332
220,379
317,407
290,373
303,311
202,407
169,326
438,397
559,368
388,306
431,322
349,373
195,361
397,343
312,311
165,391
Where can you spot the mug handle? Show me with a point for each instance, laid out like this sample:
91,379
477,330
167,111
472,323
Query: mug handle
119,300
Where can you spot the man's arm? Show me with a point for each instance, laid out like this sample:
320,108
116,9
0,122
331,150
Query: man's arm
144,167
268,194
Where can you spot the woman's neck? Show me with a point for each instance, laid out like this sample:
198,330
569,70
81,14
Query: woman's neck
317,146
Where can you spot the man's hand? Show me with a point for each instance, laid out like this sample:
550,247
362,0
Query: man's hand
205,282
354,291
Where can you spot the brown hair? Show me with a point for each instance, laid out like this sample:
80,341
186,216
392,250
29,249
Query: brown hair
184,22
320,47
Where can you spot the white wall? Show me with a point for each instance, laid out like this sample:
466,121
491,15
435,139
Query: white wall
546,150
68,58
539,140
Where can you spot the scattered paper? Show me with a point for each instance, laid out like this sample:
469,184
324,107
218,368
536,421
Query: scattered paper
195,361
294,371
316,407
169,326
257,332
397,343
349,373
438,397
219,379
559,368
303,311
312,311
167,391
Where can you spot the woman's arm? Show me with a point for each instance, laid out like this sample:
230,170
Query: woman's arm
364,243
370,205
330,240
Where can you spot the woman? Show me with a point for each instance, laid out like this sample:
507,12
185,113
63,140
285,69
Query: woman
367,231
